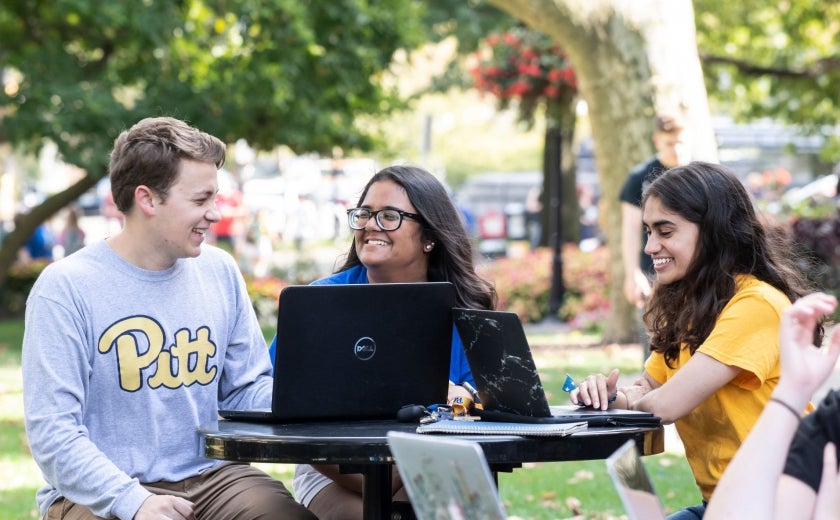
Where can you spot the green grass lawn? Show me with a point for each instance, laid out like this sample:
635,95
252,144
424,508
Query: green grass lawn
536,491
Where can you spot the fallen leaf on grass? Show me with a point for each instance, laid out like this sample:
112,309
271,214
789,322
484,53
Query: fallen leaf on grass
573,504
665,462
580,476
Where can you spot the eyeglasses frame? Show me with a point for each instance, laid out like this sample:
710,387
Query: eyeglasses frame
375,216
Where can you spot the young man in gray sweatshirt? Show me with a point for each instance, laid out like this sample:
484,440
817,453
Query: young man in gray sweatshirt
133,343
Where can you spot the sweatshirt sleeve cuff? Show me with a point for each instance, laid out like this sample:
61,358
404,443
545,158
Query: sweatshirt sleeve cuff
126,507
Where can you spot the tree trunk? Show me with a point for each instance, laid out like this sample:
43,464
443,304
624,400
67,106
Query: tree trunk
632,60
41,213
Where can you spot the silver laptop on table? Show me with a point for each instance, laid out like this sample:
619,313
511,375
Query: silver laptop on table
358,351
446,477
633,484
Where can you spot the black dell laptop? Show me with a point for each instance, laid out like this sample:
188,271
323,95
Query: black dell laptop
358,351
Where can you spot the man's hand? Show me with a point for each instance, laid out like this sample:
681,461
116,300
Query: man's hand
165,507
636,288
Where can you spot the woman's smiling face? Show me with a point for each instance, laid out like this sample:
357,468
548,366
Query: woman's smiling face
391,256
671,243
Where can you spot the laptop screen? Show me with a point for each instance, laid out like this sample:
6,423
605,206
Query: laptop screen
361,351
633,484
445,477
500,359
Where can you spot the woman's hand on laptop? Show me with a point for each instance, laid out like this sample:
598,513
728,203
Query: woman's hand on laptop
596,391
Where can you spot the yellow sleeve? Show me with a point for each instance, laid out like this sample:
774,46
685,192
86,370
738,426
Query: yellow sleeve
656,368
746,334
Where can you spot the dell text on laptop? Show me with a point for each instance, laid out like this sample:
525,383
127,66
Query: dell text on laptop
359,351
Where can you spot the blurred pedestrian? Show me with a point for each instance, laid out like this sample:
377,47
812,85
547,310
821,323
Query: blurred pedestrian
303,221
672,149
254,254
533,216
39,245
72,237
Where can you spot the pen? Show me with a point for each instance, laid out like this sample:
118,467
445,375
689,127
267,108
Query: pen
473,392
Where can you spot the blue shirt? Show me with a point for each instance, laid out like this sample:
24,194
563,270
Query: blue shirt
459,368
40,244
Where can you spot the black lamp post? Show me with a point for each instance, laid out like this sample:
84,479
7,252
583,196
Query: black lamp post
552,170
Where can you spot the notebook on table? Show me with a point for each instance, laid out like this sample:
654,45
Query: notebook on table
445,477
633,484
358,351
502,428
507,380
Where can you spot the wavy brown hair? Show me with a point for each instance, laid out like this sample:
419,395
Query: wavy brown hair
451,260
732,241
150,153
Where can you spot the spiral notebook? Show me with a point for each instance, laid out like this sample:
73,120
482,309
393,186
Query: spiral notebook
502,428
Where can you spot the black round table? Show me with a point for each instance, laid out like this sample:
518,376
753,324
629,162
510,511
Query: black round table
362,447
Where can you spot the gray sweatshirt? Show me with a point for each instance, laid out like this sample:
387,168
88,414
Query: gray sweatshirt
121,366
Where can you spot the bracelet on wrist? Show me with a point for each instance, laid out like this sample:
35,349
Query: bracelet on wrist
789,407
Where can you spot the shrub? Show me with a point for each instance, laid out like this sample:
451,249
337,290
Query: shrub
19,281
524,284
264,294
818,239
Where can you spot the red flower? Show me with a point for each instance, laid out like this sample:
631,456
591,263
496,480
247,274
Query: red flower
530,70
510,39
525,65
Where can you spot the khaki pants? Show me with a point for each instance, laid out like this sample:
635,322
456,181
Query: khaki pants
228,491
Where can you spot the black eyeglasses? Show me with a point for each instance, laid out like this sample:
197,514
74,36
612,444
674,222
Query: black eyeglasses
387,219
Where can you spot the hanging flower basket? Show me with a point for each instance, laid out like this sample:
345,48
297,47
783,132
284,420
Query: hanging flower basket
523,65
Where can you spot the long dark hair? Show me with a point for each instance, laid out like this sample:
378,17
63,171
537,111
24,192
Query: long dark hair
732,241
451,260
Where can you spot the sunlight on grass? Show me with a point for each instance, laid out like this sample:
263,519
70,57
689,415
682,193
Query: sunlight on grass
583,490
282,472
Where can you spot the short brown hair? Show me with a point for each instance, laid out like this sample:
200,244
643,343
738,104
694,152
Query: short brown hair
669,123
150,153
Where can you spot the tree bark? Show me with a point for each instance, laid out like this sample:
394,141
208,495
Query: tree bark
632,59
26,225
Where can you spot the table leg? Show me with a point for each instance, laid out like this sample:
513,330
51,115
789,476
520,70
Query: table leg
376,497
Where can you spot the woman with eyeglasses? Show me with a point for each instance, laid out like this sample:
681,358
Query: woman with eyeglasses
405,229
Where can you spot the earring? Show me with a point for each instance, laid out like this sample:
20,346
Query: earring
428,247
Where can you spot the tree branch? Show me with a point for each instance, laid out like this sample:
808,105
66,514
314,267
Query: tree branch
818,68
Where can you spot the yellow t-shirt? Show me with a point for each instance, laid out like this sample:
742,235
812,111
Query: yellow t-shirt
746,335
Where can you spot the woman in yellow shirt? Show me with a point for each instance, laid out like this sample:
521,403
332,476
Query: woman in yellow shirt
721,286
